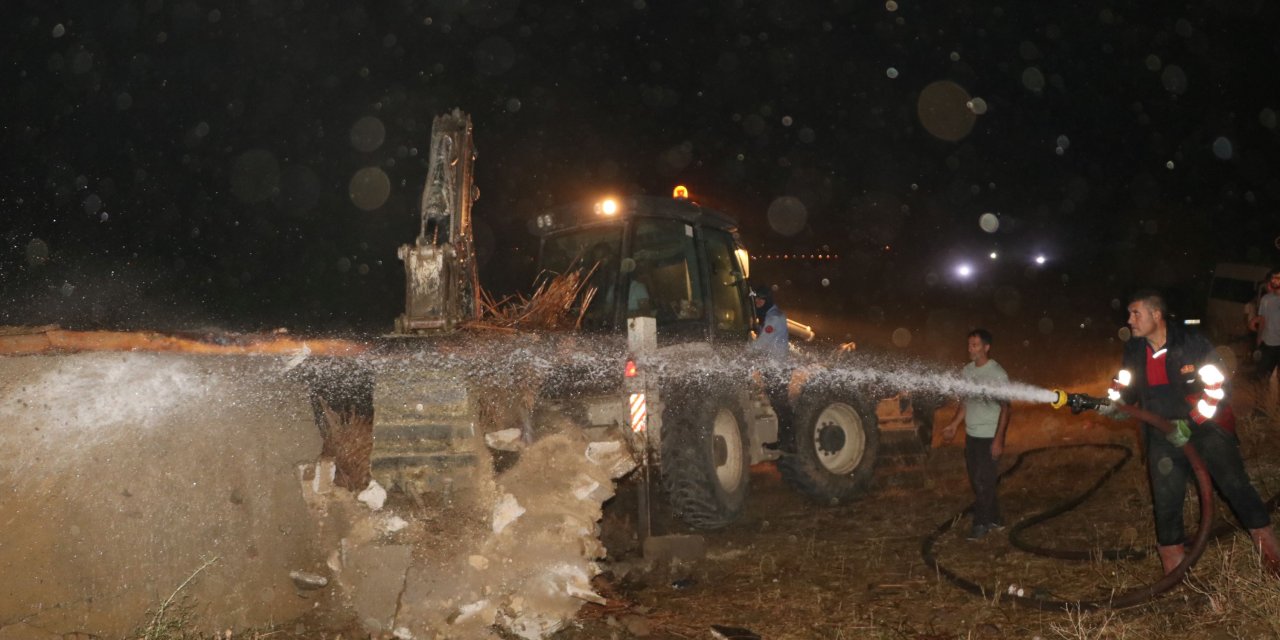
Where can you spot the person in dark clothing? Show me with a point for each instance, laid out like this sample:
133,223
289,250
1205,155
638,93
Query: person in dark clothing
771,331
1174,373
771,342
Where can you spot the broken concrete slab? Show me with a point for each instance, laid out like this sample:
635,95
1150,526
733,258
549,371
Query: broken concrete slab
374,496
530,570
505,440
373,577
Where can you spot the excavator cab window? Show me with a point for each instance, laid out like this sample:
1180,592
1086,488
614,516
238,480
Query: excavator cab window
728,286
688,278
666,266
595,251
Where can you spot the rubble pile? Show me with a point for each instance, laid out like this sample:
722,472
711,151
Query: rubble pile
526,569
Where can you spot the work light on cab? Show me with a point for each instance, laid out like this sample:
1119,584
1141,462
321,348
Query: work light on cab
607,207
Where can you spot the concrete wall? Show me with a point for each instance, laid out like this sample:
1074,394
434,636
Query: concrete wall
122,474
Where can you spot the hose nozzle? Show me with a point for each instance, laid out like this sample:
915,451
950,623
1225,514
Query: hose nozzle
1077,401
1059,400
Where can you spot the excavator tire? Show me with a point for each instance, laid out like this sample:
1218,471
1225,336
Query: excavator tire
837,442
705,467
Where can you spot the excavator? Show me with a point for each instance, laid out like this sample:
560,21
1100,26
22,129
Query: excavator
663,278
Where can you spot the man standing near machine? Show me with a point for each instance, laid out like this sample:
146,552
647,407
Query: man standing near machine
985,424
1268,327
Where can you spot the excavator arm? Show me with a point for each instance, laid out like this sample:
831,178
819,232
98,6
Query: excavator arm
441,282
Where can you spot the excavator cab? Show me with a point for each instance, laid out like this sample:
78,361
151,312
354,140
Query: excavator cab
670,259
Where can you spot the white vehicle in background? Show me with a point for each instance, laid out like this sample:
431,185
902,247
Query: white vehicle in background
1233,305
1233,300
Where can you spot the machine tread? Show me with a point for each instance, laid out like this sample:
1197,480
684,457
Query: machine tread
688,467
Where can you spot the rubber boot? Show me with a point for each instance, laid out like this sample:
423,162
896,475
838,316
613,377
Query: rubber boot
1264,540
1171,556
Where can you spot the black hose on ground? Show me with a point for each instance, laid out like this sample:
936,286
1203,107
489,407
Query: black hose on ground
1136,596
1015,537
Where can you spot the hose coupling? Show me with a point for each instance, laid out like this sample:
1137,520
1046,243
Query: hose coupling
1077,401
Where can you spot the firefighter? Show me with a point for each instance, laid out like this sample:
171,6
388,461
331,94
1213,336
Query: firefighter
1174,373
771,334
771,342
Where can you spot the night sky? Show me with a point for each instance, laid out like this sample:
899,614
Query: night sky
252,165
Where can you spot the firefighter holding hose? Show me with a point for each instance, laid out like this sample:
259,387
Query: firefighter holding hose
1174,373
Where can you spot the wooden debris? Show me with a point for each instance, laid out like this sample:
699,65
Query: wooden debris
551,307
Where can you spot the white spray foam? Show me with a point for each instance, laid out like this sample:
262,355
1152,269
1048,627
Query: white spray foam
86,400
551,360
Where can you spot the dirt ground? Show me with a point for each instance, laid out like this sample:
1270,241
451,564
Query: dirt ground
790,569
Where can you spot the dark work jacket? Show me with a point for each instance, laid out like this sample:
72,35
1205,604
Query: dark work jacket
1187,352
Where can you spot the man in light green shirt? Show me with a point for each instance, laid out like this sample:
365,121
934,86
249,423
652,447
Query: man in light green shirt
985,422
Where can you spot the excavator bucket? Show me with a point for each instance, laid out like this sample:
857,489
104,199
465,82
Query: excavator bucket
441,282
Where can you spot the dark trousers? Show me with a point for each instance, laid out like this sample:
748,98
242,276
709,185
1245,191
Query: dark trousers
982,478
1169,470
1269,361
776,386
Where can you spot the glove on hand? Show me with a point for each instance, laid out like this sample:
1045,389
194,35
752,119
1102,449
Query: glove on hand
1181,433
1109,410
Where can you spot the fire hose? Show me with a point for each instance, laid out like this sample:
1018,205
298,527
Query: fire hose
1038,598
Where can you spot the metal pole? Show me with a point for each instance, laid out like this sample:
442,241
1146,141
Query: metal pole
645,524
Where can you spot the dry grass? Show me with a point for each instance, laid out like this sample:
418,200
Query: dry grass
1260,419
348,439
1237,595
174,619
1083,625
550,307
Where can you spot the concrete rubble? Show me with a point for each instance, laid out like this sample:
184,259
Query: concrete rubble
225,511
524,567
